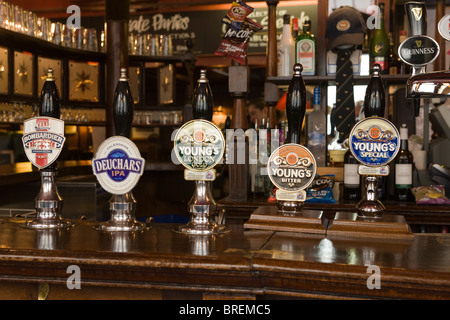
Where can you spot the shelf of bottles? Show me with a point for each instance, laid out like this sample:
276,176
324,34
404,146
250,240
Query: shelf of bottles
330,79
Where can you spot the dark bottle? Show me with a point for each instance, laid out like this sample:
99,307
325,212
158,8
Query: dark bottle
202,102
374,99
394,60
352,180
379,44
49,100
295,105
123,106
403,168
228,122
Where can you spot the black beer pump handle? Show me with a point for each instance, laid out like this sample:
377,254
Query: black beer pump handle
49,99
202,102
295,105
49,106
123,106
417,17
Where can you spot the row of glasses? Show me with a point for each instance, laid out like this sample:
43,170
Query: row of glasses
15,18
80,116
14,112
148,117
80,38
150,44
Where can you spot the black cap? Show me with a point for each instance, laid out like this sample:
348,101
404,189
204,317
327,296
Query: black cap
345,26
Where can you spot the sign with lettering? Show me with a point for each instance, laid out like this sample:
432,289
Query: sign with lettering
199,145
291,167
118,165
418,50
374,141
43,139
191,25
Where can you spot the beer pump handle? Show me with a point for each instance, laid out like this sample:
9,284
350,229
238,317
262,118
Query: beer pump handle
123,106
295,105
202,101
49,105
374,99
49,99
417,17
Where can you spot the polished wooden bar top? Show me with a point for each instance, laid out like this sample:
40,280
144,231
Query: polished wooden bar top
414,214
242,262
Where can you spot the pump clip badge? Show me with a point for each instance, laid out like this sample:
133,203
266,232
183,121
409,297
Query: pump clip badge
291,167
43,139
199,145
374,141
118,165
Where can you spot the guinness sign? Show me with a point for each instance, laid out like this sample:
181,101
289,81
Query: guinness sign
418,50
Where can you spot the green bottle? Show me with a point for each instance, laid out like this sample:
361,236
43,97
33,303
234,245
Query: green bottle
379,44
305,50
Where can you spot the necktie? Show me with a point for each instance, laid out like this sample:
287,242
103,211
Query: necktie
345,104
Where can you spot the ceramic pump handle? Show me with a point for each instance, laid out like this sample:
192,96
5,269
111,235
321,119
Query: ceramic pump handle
49,99
295,105
417,17
202,102
123,106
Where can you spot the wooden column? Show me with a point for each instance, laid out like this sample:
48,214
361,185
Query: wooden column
439,63
116,16
238,86
271,94
322,17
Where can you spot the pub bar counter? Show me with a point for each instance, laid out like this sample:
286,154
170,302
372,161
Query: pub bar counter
325,252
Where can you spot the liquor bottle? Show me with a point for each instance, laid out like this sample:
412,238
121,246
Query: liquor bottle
352,180
336,150
285,49
379,44
374,99
294,29
203,101
404,68
403,168
316,131
305,49
394,60
49,99
123,106
228,122
295,105
283,125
